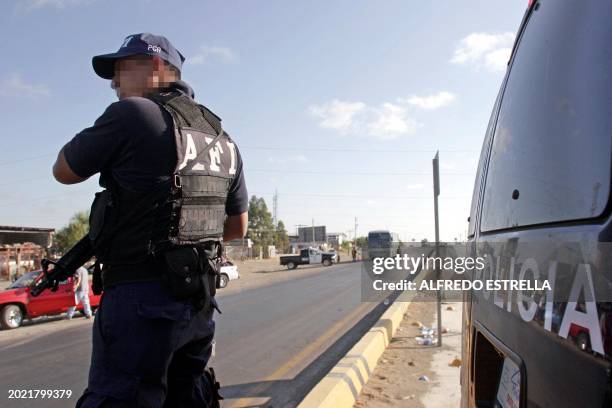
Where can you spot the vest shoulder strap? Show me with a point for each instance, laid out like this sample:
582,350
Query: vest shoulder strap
186,112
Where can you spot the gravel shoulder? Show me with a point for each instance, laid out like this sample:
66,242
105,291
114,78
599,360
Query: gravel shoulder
411,375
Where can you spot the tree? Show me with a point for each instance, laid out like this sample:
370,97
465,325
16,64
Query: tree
345,246
361,242
261,228
76,229
281,238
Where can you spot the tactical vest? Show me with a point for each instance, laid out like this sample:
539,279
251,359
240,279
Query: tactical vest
188,209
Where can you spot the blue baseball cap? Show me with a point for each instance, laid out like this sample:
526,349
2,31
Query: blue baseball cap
138,44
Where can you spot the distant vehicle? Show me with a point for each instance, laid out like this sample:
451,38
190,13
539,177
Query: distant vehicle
333,251
227,272
309,256
16,303
382,244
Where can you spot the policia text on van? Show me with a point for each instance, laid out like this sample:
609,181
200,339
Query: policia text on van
542,195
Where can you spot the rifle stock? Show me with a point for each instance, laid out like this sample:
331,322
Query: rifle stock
65,267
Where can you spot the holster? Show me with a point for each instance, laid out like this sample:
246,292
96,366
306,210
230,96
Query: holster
192,273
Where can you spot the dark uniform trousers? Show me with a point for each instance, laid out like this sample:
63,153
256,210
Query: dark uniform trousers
148,350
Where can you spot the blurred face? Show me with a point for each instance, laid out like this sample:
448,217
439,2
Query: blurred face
134,76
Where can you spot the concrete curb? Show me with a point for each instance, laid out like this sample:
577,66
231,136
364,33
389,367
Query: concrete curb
342,385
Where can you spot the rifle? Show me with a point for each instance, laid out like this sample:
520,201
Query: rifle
83,250
64,267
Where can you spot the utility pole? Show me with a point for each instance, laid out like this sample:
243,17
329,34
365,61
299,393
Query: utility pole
274,207
313,235
355,240
436,188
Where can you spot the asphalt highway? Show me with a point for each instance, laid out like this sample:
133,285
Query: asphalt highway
273,343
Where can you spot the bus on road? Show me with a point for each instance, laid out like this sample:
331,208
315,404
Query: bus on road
382,244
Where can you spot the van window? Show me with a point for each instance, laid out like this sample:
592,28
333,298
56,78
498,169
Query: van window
550,159
484,154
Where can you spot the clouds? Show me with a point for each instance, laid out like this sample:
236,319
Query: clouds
390,121
17,87
484,50
386,121
208,54
433,101
337,114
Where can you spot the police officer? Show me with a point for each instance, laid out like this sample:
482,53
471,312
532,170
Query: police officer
174,188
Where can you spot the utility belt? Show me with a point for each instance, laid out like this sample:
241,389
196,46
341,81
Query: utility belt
189,272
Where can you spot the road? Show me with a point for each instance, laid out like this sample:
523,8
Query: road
273,342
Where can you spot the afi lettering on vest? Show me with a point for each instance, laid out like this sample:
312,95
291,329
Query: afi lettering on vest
191,152
215,155
232,150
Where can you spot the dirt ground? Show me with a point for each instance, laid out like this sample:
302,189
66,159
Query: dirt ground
398,377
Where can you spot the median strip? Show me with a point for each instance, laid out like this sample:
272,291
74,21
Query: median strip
342,385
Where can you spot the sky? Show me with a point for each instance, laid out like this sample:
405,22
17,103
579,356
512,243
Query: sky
338,106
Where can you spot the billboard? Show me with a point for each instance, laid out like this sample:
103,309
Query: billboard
305,234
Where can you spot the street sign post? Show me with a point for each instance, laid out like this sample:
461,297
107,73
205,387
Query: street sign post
436,187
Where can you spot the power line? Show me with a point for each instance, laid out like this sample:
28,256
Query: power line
26,159
342,149
285,148
25,180
375,196
352,173
344,173
33,199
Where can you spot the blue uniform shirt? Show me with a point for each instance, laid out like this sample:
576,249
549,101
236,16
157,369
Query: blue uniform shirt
134,139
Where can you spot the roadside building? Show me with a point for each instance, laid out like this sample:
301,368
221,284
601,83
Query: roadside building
335,239
316,237
239,249
22,249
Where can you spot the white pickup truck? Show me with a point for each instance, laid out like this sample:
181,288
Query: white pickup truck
309,256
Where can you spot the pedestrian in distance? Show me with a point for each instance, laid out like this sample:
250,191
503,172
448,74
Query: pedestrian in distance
80,287
174,190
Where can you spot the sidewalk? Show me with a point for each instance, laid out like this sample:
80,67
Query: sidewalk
411,375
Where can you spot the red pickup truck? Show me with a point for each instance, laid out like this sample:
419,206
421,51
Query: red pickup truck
16,303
